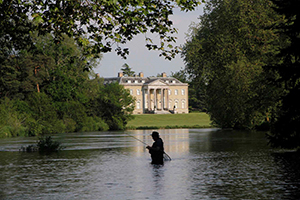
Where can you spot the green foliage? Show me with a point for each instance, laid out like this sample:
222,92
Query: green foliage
70,124
45,145
181,75
231,97
127,71
45,89
224,58
94,124
102,23
285,128
73,110
15,27
41,106
9,83
11,119
196,94
34,128
115,106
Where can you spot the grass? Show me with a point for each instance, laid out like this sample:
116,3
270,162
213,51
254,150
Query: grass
151,121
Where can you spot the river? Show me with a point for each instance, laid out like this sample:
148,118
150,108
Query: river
206,164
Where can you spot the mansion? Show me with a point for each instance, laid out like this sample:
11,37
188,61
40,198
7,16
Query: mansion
156,95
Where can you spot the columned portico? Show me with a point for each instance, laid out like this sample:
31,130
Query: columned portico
157,98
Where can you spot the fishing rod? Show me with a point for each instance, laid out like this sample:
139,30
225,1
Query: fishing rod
166,156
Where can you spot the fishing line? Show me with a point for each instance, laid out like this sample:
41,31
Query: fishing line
166,156
137,139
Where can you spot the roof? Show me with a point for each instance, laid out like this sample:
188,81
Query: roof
143,81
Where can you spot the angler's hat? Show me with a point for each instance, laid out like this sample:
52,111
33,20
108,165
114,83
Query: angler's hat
155,134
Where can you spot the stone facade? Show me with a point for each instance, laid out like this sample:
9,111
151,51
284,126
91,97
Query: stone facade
158,95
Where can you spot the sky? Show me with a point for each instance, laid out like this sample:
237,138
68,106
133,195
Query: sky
140,59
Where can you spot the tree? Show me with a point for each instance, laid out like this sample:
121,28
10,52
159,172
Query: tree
51,81
115,105
285,128
103,23
196,94
225,55
127,71
180,75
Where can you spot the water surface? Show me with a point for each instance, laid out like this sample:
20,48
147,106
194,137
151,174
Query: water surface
206,164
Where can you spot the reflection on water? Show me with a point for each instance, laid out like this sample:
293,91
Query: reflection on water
206,164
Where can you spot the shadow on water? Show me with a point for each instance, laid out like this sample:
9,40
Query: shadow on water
158,179
289,165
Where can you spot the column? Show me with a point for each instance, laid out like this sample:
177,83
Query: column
144,100
155,104
161,98
149,99
168,99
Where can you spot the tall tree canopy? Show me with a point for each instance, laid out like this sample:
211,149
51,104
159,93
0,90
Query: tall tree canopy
225,55
102,23
285,129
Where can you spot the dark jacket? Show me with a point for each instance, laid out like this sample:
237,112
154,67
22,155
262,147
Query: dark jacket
157,152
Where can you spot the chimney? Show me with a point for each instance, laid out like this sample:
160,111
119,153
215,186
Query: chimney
164,75
120,74
141,74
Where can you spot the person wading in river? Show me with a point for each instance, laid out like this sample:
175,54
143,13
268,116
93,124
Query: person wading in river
157,149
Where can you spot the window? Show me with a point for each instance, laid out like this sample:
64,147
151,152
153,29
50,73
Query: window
131,92
138,105
138,92
176,92
136,81
128,81
176,104
169,92
182,91
182,104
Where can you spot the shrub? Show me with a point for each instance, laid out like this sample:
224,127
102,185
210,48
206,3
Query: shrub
47,145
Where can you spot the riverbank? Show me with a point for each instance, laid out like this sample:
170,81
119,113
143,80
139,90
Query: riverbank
190,120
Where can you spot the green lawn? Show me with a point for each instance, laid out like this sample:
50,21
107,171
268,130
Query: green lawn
191,120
